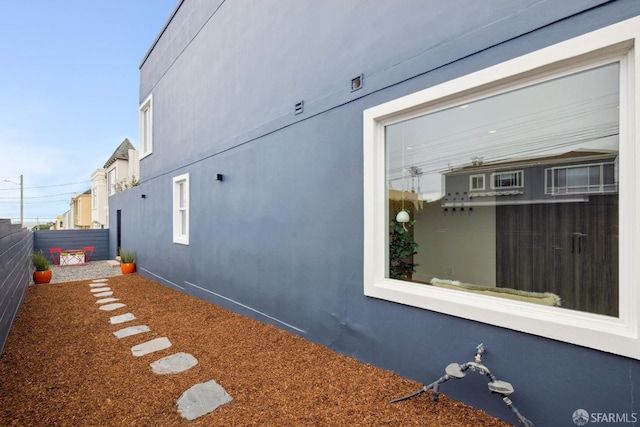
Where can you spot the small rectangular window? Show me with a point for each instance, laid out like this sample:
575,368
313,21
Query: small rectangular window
181,209
146,127
476,182
111,181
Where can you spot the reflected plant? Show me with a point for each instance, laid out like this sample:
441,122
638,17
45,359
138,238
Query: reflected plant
402,248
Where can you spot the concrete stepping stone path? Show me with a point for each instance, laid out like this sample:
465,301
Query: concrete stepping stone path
103,294
202,399
173,364
97,285
127,317
150,346
106,300
111,307
131,330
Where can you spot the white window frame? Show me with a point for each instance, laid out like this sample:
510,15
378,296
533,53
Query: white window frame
476,176
145,123
518,173
550,188
112,179
614,335
178,210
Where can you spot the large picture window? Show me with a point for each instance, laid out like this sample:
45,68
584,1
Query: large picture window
540,249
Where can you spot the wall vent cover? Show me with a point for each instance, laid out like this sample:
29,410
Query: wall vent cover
356,82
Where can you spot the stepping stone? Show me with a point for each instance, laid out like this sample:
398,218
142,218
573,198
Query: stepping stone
122,318
131,330
96,285
103,294
150,346
105,300
100,290
113,263
111,307
201,399
174,364
100,280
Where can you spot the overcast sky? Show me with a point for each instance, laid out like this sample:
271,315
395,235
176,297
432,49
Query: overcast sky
69,82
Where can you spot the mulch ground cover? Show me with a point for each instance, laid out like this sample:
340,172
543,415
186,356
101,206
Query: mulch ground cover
62,366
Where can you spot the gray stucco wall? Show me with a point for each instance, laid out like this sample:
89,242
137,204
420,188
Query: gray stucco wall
15,273
280,239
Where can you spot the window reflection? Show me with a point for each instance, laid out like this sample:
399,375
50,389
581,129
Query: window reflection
515,195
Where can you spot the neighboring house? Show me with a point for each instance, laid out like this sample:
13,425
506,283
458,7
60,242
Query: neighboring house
99,199
81,210
271,139
521,208
59,224
66,220
568,177
121,171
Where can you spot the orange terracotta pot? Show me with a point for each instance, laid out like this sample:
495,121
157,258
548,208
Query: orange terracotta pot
128,268
41,277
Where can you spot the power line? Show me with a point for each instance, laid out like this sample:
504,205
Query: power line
48,186
36,197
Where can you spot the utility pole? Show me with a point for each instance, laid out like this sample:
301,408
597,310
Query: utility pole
21,197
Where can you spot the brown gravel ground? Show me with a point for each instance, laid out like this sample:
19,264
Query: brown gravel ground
62,366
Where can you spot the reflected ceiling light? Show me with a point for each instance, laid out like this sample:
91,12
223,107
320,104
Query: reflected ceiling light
464,106
402,217
493,131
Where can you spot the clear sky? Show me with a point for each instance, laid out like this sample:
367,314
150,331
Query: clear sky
69,82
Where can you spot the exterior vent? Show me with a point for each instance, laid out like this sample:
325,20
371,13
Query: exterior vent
356,82
299,107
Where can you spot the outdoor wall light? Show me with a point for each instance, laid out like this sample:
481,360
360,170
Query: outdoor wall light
219,177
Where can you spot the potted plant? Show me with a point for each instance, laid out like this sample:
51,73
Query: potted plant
127,261
41,264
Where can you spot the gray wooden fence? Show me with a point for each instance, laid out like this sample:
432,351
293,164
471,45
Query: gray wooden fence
73,239
16,244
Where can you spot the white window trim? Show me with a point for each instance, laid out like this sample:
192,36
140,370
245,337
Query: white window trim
517,172
480,175
145,149
177,236
111,186
614,335
600,188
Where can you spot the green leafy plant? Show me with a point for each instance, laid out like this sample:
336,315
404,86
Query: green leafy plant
127,257
40,262
402,248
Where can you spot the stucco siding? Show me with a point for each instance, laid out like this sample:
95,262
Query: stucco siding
280,238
